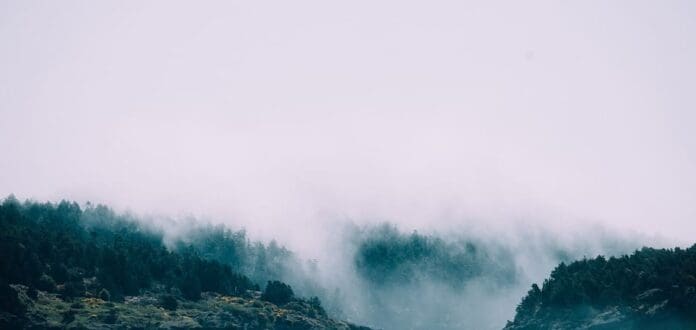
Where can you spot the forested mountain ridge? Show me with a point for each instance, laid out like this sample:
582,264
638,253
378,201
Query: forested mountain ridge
62,266
66,266
386,257
649,289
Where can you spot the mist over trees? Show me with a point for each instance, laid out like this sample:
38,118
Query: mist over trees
387,257
651,289
426,280
392,278
48,245
261,263
71,254
384,276
45,244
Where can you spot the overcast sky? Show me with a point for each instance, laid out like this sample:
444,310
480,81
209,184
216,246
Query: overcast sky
283,114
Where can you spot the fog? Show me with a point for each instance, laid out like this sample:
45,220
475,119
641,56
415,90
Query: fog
382,276
292,119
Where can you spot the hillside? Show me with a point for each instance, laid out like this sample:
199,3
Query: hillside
65,267
650,289
46,310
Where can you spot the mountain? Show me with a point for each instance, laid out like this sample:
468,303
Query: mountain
649,289
62,266
66,266
45,310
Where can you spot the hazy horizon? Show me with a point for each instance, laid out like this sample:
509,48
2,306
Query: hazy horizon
281,116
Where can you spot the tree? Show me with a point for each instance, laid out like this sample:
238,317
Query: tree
104,295
191,287
46,283
169,302
278,293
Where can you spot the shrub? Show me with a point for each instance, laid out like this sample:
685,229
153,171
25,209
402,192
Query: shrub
191,288
278,293
74,289
46,283
104,295
169,302
316,304
68,316
110,317
9,299
32,293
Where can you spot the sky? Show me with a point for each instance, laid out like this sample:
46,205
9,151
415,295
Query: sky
282,116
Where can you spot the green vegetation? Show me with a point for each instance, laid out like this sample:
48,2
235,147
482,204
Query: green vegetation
260,262
47,246
426,281
650,288
168,301
278,293
66,266
211,311
60,264
386,257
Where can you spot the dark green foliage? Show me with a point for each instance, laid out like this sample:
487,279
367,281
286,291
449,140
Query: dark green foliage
68,316
387,257
259,262
278,293
191,287
104,295
43,245
168,301
9,299
531,301
110,317
32,293
93,252
74,289
316,303
646,277
46,283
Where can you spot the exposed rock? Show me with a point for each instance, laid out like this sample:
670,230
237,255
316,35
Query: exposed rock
52,311
650,295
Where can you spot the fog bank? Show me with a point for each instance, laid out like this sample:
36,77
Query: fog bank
506,123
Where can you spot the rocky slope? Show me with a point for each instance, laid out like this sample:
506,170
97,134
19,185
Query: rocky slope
644,315
43,310
650,289
62,266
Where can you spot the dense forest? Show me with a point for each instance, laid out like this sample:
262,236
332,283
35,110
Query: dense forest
72,254
414,280
61,264
651,288
44,245
258,261
386,257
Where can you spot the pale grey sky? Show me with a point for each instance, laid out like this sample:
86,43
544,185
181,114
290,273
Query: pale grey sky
285,113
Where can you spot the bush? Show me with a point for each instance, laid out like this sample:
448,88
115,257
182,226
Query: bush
32,293
46,283
9,300
316,304
278,293
60,246
110,317
74,289
69,316
104,295
191,288
169,302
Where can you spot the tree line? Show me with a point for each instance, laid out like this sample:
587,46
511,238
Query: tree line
648,276
74,251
